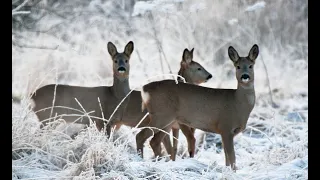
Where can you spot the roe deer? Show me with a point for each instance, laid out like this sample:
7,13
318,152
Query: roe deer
222,111
49,99
193,73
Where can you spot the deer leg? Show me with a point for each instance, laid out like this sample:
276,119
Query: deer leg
227,140
192,130
226,157
175,134
189,133
141,137
155,142
99,124
160,121
167,144
112,122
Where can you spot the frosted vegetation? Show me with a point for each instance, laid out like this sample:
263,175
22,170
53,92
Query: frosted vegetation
66,42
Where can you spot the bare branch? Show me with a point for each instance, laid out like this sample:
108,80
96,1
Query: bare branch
144,68
159,44
20,6
14,2
50,10
20,12
33,46
273,104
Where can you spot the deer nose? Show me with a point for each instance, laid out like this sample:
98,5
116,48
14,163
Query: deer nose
209,77
245,76
121,69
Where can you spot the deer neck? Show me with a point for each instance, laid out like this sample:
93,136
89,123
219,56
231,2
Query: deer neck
120,86
246,96
182,74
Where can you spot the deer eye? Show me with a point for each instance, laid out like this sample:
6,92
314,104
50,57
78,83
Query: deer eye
250,66
126,61
199,69
238,67
116,61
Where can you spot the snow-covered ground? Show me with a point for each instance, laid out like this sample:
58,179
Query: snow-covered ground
275,143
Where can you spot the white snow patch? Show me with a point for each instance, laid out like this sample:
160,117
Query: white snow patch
166,6
256,6
197,7
233,21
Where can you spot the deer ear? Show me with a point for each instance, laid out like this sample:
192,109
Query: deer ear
233,54
187,56
129,48
253,53
112,49
191,52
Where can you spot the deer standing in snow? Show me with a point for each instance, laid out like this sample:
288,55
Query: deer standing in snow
222,111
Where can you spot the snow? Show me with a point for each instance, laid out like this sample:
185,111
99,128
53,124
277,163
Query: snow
274,145
256,6
168,6
233,21
197,6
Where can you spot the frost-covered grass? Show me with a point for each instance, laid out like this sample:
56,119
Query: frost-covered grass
275,143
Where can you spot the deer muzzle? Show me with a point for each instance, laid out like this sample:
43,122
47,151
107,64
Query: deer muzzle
121,70
245,78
